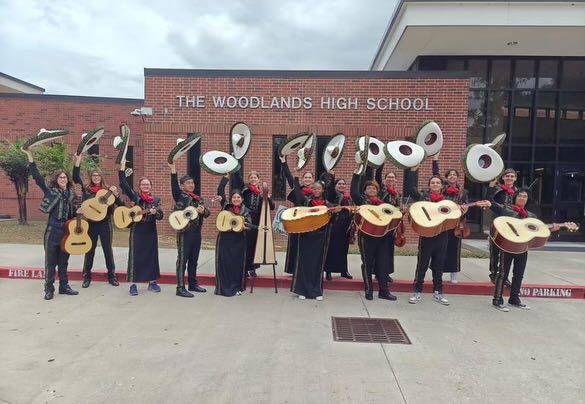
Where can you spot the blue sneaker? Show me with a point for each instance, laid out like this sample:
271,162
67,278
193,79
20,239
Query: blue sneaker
133,290
153,286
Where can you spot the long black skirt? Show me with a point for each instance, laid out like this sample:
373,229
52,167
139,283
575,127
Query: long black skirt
230,263
336,260
309,263
453,253
143,255
291,253
391,237
251,239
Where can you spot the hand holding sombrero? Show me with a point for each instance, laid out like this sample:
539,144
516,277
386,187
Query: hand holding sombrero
44,136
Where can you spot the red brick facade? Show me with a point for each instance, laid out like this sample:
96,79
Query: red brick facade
447,96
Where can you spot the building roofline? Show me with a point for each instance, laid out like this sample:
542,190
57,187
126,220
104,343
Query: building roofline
304,74
72,98
9,77
401,3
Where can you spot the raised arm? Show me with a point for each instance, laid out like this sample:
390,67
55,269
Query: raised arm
34,171
126,188
221,191
298,195
411,183
356,195
331,191
378,177
77,171
287,174
237,179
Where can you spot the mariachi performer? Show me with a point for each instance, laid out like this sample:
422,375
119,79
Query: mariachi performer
102,229
341,229
517,210
252,194
231,246
456,193
389,194
305,187
58,203
188,240
501,194
430,249
309,261
375,254
143,265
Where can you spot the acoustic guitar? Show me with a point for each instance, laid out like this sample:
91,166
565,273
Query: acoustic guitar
227,221
304,219
76,240
429,219
124,216
95,209
180,219
516,236
377,220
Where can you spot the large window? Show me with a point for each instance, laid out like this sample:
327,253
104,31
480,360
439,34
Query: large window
278,179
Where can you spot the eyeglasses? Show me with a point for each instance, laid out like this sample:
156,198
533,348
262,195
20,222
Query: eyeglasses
96,175
63,176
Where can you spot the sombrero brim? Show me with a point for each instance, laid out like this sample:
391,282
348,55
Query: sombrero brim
44,136
90,139
183,147
219,163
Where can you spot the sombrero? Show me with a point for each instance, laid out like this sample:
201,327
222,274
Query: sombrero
183,145
89,139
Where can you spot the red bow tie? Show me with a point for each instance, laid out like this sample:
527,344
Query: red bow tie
236,209
509,190
317,202
436,197
347,196
254,188
374,200
392,191
147,197
453,191
94,189
521,211
194,196
307,191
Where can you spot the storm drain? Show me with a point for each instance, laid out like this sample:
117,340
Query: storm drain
360,329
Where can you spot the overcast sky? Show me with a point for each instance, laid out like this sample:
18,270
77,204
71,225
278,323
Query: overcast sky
100,48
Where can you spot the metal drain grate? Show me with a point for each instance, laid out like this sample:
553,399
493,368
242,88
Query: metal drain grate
364,329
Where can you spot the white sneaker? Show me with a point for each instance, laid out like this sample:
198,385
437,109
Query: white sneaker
319,298
454,277
439,298
415,298
501,307
301,297
238,293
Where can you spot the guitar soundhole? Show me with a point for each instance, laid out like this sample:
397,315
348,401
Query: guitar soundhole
485,161
531,227
405,150
387,211
430,139
444,209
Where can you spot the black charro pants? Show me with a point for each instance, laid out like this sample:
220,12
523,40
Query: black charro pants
55,258
506,260
431,251
494,258
104,231
376,259
188,247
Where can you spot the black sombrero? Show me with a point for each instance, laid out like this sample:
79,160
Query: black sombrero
44,136
89,139
183,145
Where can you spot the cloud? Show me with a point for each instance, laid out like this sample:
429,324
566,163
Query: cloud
101,48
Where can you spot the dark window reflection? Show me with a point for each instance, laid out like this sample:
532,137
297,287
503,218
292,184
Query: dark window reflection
500,75
546,104
572,123
545,153
573,75
572,154
522,117
478,72
524,74
278,180
476,117
497,120
543,188
548,74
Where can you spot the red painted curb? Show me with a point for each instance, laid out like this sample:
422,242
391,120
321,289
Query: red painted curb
284,282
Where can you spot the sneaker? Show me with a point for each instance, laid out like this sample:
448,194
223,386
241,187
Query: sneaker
133,290
113,280
519,305
301,297
454,277
439,298
319,298
181,291
387,296
238,293
153,286
501,307
415,298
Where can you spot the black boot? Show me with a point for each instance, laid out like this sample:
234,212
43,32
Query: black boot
328,276
369,295
197,288
181,291
86,280
49,294
113,280
386,295
66,290
346,275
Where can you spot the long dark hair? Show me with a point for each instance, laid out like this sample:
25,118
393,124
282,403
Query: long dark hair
53,182
102,183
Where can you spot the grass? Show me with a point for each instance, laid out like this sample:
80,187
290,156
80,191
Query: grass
13,233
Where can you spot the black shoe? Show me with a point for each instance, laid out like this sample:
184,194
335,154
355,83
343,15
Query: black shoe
112,280
184,293
390,280
328,276
387,296
67,291
370,295
507,284
49,294
86,282
197,288
346,275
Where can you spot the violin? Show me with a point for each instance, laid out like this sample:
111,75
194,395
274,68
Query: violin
400,239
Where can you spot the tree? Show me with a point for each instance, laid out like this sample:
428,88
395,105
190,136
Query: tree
14,163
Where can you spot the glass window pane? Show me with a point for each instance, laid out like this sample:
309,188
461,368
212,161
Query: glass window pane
497,120
548,73
524,76
500,76
543,189
573,154
522,117
546,105
544,153
573,75
456,64
478,73
476,117
572,119
521,153
432,63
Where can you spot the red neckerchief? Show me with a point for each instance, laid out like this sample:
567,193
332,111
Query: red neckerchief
254,188
436,197
146,197
307,191
347,196
392,191
509,190
318,202
94,189
194,196
521,211
236,209
453,191
374,200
